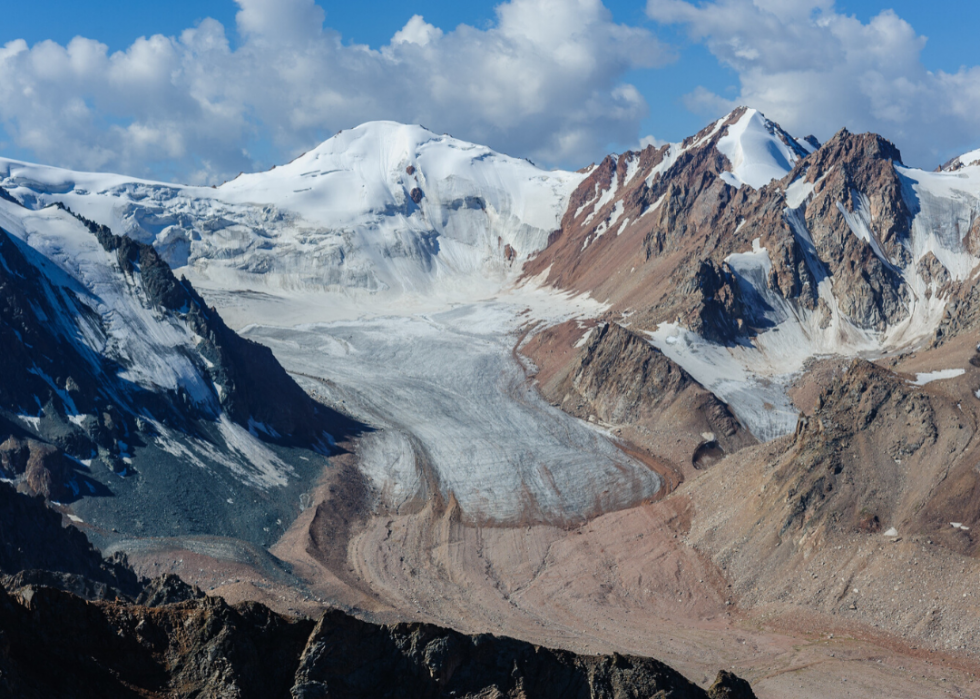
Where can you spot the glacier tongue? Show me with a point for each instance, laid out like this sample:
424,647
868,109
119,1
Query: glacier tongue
454,413
419,233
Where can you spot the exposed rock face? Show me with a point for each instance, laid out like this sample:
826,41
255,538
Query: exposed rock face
933,272
962,312
76,584
855,182
869,512
720,312
616,377
203,648
208,648
32,539
39,468
623,378
823,485
47,471
349,658
960,162
730,686
168,589
678,219
255,386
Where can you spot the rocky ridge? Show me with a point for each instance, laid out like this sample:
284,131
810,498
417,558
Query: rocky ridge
254,386
36,549
679,219
176,641
78,387
207,647
614,377
866,514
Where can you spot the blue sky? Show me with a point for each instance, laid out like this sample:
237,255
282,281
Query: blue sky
687,73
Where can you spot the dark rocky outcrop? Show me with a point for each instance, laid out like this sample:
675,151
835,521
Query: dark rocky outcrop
620,377
255,386
168,589
730,686
33,539
206,647
346,657
720,311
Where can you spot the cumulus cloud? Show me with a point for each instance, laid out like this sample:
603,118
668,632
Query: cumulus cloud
815,70
648,141
545,81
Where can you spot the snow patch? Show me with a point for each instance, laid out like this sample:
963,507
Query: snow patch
926,378
33,422
757,154
584,339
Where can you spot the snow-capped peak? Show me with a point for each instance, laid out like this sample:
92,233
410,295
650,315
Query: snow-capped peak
375,167
384,206
758,149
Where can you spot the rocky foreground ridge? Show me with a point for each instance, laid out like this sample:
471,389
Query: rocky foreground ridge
205,647
173,640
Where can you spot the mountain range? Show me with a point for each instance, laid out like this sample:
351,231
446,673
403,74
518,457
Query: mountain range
707,383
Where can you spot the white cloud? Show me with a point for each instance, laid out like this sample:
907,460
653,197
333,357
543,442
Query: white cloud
279,20
816,70
545,81
417,31
651,141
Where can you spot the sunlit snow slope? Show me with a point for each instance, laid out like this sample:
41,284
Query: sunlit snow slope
380,207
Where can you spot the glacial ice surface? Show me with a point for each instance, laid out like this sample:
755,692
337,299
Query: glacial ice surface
455,411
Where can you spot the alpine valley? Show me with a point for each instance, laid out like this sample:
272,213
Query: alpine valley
409,417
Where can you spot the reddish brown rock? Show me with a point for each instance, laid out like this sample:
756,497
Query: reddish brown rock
44,468
676,228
